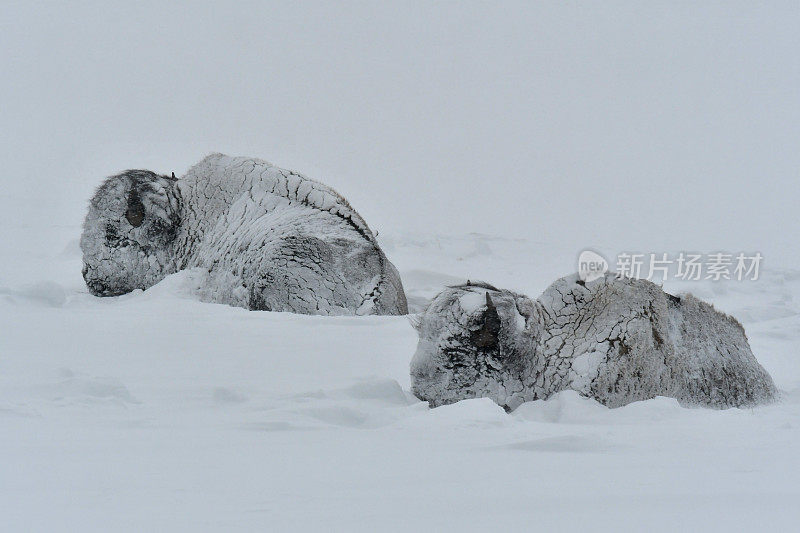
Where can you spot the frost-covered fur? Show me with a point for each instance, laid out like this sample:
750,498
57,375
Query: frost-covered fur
617,340
268,238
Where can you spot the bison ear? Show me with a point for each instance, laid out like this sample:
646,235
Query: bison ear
173,176
487,336
135,212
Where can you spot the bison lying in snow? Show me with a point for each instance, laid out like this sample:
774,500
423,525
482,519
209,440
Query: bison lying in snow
265,238
616,340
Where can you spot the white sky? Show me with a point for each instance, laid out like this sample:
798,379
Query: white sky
645,127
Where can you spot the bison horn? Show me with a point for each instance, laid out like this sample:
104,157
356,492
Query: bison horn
487,335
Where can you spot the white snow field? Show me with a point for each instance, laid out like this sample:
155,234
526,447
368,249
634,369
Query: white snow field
154,411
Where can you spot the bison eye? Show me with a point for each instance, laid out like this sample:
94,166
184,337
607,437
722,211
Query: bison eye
135,216
135,212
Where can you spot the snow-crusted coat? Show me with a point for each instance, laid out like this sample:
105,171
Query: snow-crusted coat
262,237
616,340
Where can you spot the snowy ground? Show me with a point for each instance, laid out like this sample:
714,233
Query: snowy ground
155,412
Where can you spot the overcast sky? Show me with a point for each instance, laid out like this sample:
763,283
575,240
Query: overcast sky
639,126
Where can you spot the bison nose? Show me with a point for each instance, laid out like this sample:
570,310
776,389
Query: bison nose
98,288
104,286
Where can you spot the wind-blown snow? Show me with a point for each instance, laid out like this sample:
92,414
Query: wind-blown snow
156,411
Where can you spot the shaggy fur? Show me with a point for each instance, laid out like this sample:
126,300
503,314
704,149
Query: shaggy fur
267,239
617,340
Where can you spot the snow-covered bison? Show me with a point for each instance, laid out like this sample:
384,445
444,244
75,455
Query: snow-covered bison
263,238
617,340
